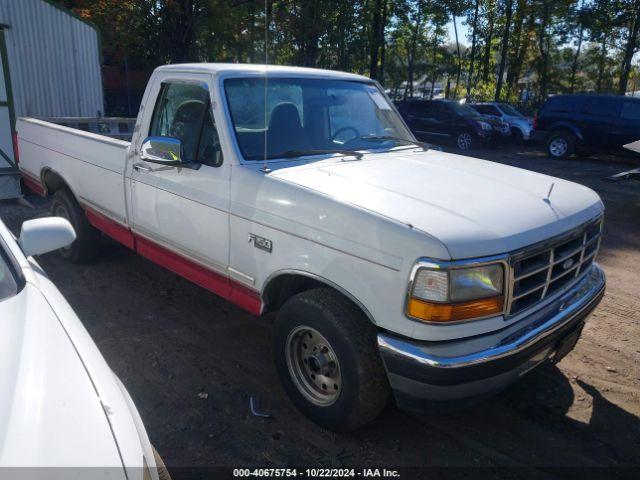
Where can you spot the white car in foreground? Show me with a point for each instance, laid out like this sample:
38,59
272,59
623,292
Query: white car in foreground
63,413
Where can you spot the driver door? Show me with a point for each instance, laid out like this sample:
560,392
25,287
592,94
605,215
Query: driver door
180,215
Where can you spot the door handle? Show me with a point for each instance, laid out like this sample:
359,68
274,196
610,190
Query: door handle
141,167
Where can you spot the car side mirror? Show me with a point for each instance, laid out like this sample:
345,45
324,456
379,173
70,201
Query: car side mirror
44,235
165,151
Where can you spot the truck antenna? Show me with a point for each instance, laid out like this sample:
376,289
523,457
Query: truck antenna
265,166
548,198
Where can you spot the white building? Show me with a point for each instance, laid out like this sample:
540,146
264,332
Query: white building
49,67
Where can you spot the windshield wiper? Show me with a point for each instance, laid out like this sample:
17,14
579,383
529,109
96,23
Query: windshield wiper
425,146
304,153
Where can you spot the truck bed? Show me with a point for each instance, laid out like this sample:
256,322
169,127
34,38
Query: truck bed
93,165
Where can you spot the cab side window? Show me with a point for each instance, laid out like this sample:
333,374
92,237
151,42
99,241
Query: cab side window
183,111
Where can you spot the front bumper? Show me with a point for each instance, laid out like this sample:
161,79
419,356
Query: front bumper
424,373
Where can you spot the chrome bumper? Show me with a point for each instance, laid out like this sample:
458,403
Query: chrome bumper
476,366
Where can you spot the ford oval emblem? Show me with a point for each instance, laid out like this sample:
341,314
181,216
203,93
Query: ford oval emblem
568,263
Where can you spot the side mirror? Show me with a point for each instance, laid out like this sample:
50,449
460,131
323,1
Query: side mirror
44,235
165,151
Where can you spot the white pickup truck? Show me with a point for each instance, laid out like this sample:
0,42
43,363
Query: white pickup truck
391,266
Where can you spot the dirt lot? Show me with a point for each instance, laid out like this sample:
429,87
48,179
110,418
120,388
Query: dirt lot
170,341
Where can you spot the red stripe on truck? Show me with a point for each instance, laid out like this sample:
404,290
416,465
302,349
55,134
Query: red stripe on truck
33,184
118,232
222,286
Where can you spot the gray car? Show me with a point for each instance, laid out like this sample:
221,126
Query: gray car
521,126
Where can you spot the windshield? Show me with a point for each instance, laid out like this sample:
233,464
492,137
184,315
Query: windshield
9,285
307,116
509,110
464,110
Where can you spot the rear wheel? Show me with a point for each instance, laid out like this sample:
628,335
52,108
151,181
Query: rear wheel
86,245
560,145
326,356
464,141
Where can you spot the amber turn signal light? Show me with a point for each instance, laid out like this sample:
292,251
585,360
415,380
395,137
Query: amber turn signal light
451,312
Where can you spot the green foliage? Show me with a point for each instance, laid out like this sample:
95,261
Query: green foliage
552,46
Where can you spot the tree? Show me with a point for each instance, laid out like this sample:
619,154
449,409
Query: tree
505,46
631,11
581,21
474,33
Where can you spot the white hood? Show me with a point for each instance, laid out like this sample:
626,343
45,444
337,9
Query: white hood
50,412
475,207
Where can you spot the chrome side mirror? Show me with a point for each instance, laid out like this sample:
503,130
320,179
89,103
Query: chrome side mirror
165,151
162,150
44,235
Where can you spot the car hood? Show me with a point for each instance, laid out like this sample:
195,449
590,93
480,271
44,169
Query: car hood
474,207
50,412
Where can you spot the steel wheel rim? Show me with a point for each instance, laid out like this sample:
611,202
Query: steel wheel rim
313,366
464,141
60,210
558,147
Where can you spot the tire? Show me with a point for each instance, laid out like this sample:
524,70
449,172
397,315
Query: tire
560,145
161,468
86,245
322,331
465,141
517,136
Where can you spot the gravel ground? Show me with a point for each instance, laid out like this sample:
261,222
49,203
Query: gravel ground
191,361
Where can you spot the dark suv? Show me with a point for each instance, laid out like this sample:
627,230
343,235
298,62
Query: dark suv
567,123
440,121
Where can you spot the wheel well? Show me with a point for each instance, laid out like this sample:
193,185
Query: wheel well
53,181
562,129
284,286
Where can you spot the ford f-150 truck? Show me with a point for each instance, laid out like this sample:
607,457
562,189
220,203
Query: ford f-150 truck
391,267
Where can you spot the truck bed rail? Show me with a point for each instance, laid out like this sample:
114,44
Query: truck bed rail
120,128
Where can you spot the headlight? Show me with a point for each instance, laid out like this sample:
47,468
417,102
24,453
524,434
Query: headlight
446,294
484,125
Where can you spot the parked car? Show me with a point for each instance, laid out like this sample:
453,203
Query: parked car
451,121
520,126
568,123
389,266
61,405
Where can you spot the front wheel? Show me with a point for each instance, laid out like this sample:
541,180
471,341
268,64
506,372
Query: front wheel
464,141
518,137
326,355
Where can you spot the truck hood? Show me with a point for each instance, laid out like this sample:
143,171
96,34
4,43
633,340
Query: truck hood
50,412
474,207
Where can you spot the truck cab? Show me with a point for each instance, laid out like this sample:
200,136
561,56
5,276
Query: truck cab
390,267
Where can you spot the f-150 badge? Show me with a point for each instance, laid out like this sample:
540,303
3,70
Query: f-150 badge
261,242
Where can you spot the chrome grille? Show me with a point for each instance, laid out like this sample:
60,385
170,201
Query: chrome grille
540,271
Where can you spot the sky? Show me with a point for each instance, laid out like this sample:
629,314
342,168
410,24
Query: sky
463,30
